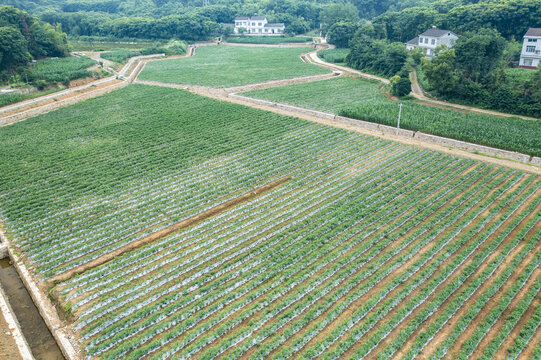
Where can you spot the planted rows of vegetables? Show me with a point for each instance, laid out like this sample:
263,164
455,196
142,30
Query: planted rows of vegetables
370,248
362,99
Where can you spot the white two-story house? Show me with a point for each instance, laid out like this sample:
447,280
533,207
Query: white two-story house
431,39
257,25
530,57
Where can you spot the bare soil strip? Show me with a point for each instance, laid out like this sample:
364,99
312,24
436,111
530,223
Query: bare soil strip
396,330
501,354
502,319
168,230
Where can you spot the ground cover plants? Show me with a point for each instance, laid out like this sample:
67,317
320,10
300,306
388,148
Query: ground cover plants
367,248
224,66
364,100
121,55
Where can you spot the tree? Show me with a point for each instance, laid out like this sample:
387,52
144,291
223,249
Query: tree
334,13
341,33
479,53
440,72
400,86
297,26
13,48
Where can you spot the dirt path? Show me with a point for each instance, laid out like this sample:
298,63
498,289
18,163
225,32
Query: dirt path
418,93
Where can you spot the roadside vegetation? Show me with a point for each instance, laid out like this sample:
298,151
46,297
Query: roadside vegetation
225,66
336,56
364,100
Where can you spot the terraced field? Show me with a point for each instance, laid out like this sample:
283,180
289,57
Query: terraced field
264,236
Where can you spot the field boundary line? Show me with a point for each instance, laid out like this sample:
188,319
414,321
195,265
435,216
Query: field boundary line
170,229
68,345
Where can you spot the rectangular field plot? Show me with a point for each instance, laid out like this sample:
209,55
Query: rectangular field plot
225,66
329,244
364,100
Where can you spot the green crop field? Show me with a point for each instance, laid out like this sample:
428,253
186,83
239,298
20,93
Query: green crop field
273,40
358,247
61,69
364,100
224,66
337,56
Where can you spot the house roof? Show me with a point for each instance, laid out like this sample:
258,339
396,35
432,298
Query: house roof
275,25
242,18
533,32
256,18
414,41
437,33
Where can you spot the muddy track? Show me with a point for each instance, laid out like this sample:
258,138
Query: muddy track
396,330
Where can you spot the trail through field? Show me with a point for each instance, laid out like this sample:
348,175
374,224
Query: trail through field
418,92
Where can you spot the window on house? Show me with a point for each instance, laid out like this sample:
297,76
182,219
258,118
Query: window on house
426,40
259,24
420,40
528,62
532,40
253,24
433,41
530,48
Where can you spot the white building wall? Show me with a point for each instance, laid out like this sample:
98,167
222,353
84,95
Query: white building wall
530,56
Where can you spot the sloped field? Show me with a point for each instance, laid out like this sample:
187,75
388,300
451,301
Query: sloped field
357,247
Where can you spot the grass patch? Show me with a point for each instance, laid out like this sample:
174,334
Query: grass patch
121,55
223,66
363,100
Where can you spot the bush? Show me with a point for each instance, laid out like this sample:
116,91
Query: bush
401,86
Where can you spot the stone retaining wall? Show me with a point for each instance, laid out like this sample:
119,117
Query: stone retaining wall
433,139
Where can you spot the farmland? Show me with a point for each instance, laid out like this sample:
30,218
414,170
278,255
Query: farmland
356,247
273,40
364,100
224,66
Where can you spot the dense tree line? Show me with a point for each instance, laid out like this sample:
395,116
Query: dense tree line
511,18
24,37
474,72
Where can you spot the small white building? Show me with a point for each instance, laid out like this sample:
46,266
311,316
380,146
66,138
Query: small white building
530,57
431,39
257,25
